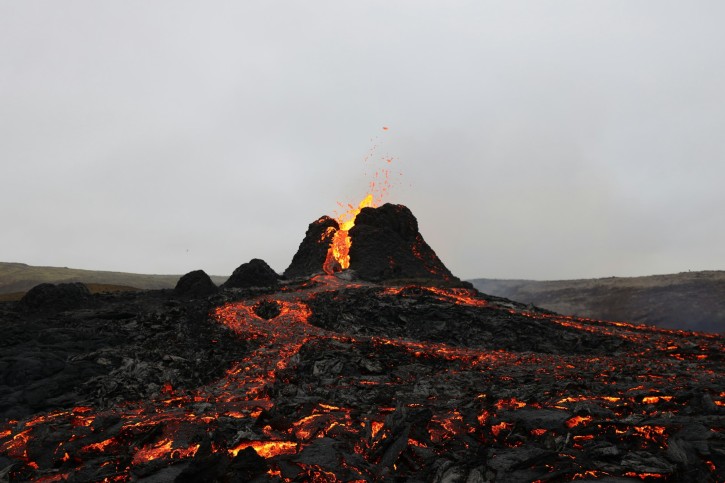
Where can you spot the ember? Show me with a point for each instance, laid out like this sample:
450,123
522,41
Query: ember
322,379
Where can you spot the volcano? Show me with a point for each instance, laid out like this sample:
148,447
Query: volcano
379,244
368,361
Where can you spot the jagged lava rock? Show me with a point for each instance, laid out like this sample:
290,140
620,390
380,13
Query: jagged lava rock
386,244
62,296
255,273
196,283
311,254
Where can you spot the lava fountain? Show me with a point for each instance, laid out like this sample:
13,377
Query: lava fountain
338,255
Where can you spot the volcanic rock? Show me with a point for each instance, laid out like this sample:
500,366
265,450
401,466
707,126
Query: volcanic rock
311,254
115,347
196,283
255,273
63,296
377,311
386,244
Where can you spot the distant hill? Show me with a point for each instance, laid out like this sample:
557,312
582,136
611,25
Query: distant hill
17,278
688,300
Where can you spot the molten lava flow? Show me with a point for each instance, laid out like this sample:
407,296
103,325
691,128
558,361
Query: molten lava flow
380,406
338,255
266,449
163,449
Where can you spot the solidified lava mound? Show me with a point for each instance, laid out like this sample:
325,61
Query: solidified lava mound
255,273
311,254
196,283
386,244
48,296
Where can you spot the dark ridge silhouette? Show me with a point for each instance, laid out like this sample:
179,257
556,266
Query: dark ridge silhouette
255,273
196,283
48,296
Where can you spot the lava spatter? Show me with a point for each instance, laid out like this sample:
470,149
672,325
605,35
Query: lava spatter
338,255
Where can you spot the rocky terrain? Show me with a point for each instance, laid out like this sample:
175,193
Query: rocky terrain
349,377
688,301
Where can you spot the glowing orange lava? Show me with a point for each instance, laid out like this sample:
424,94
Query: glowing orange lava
338,255
266,449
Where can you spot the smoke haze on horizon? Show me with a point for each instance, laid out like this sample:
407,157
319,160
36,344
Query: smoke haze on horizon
538,140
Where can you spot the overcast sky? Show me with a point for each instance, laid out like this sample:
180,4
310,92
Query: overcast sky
541,140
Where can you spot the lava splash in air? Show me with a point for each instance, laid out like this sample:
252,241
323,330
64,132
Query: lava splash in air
338,255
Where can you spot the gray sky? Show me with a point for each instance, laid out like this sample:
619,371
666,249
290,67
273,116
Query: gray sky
542,140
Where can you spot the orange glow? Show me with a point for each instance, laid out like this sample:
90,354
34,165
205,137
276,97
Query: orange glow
237,414
149,453
306,427
511,403
417,443
652,433
503,426
330,407
582,438
483,417
644,476
266,449
162,449
50,478
656,399
587,474
99,447
338,255
577,420
82,421
316,474
376,427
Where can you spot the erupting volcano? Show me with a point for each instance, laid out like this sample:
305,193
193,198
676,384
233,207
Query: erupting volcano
338,254
376,243
367,361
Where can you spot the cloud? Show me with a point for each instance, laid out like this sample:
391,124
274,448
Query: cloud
536,140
